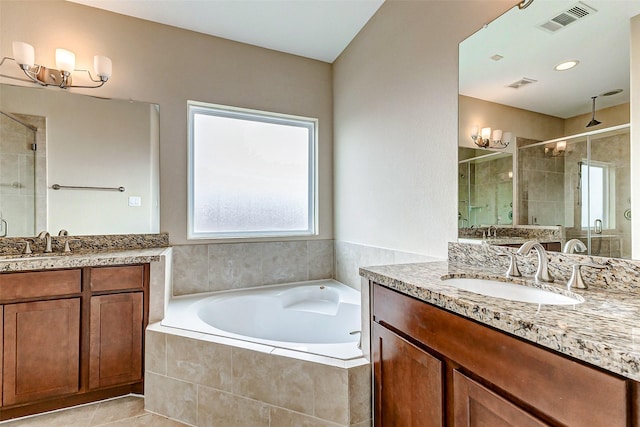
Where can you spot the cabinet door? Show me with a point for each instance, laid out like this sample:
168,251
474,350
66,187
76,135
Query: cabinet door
408,382
116,339
41,350
475,406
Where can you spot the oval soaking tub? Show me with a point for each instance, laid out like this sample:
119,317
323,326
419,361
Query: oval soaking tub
319,317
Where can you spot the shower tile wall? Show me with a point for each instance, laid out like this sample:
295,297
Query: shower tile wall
224,266
541,198
492,192
20,196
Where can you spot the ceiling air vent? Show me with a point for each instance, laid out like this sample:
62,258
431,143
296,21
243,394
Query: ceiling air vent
522,82
576,12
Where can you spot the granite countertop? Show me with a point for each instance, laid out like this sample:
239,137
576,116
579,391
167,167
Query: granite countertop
11,263
603,330
503,240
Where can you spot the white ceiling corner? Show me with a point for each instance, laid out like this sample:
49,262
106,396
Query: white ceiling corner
317,29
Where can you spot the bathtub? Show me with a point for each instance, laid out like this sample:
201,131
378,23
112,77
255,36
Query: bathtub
319,317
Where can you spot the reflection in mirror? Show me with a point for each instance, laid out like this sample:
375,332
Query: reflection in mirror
81,141
511,83
485,188
582,182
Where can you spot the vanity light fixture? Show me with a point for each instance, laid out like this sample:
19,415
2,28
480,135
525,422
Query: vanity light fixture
555,150
566,65
484,138
24,56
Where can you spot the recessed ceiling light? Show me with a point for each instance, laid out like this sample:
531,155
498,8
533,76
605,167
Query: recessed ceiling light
611,92
497,57
567,65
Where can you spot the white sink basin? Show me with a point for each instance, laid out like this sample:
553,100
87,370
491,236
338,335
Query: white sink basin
513,291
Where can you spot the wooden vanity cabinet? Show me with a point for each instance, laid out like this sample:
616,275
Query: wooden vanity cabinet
41,350
478,376
71,336
116,339
405,377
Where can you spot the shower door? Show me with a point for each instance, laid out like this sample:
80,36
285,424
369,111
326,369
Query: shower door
607,220
582,183
17,176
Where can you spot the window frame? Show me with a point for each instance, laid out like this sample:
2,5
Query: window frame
606,198
197,107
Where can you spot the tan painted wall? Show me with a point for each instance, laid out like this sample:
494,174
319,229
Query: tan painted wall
522,123
396,115
168,66
612,116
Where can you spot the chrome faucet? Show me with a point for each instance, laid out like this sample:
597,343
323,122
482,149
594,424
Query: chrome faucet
47,241
576,280
574,245
495,231
542,274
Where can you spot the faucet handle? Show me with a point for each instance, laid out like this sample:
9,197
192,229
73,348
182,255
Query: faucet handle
576,280
27,247
512,271
67,248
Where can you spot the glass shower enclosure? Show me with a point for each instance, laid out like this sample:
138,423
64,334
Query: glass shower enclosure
583,183
485,188
17,176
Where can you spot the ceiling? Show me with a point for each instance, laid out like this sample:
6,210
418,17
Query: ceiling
317,29
599,40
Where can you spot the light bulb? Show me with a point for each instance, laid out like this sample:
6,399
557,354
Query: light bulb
65,60
103,67
23,53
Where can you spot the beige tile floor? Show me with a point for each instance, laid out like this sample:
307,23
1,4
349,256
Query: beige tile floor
127,411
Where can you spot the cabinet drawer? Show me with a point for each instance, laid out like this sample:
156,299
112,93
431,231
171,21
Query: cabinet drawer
117,278
565,390
39,284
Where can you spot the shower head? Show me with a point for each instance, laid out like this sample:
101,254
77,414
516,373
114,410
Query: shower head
593,121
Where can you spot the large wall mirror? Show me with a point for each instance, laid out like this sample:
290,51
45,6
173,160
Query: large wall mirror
84,164
569,148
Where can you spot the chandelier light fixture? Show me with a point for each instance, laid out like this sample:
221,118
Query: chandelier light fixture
24,57
485,138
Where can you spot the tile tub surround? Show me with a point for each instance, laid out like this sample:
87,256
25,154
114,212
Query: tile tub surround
225,266
85,244
351,256
602,331
204,380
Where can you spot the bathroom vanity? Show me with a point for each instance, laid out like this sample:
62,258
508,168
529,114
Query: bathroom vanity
442,356
73,329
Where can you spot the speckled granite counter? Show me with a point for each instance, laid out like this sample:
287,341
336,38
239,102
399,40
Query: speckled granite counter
11,263
503,240
604,330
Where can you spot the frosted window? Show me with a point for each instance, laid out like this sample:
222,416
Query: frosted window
595,195
251,173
